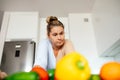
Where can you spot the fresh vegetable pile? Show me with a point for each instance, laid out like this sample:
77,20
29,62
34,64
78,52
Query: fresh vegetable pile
73,66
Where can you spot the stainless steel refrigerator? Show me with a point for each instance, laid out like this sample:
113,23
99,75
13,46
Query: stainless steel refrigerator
18,56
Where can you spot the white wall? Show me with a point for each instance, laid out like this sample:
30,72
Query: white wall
83,38
106,21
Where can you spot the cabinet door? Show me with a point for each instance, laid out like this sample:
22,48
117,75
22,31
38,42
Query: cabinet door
22,25
82,34
106,21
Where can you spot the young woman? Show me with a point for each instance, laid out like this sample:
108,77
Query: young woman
54,47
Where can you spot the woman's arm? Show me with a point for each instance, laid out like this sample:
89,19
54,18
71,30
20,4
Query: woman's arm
41,55
69,47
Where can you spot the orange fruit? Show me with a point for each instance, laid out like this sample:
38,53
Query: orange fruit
110,71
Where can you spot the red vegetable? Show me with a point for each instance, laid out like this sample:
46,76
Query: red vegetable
43,74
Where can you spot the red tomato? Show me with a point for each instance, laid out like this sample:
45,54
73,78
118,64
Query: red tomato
41,72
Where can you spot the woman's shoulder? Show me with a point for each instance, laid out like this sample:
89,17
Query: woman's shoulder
67,41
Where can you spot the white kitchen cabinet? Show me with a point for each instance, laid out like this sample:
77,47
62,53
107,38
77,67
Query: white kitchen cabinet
106,21
23,26
82,34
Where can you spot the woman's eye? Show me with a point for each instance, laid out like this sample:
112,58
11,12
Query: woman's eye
61,33
54,34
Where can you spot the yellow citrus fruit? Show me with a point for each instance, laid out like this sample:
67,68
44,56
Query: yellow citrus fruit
95,77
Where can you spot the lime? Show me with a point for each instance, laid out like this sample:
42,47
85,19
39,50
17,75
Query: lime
94,77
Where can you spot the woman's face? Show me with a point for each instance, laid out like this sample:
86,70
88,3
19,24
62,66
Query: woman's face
57,36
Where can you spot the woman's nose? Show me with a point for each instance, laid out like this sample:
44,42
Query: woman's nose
59,36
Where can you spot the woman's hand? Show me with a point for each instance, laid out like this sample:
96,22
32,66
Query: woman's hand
37,66
2,75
